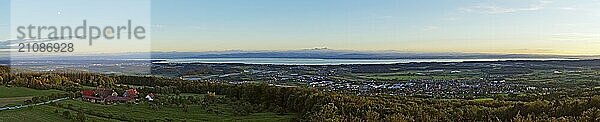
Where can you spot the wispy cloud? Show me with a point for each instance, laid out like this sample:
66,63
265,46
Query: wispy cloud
576,37
568,8
430,28
495,9
534,50
450,18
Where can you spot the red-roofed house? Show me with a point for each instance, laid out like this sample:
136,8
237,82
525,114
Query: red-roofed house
131,93
87,93
104,95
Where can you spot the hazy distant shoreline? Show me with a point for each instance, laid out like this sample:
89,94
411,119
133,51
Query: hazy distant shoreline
298,61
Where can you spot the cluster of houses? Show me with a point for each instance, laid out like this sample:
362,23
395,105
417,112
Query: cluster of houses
108,96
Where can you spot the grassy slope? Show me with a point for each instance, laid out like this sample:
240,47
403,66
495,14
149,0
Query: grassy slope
6,92
195,113
140,111
218,112
16,95
43,113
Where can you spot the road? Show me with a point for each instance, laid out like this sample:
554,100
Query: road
30,105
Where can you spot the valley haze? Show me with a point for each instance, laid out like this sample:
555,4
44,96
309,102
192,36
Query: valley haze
307,54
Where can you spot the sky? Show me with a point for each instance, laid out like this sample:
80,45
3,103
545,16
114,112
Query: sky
565,27
4,19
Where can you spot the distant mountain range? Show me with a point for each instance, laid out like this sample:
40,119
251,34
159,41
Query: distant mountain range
318,53
321,53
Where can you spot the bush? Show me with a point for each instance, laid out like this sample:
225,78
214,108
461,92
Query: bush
67,114
81,117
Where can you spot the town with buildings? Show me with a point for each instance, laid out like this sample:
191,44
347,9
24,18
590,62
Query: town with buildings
440,80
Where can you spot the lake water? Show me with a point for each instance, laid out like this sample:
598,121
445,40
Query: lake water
297,61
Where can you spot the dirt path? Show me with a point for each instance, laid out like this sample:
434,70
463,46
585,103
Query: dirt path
25,106
6,101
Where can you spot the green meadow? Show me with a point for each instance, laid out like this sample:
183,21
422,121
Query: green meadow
133,112
16,95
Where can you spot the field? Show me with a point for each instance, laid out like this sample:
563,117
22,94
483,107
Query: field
133,112
6,92
194,113
43,113
16,95
402,76
122,112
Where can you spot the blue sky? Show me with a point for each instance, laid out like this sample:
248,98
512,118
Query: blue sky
4,20
483,26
